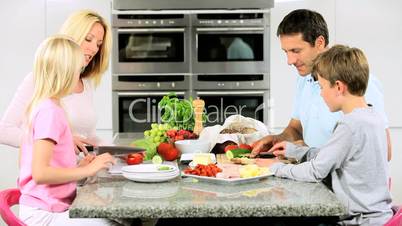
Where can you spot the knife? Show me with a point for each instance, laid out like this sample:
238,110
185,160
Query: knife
266,154
114,150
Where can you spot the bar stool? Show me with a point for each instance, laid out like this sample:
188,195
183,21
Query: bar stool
9,198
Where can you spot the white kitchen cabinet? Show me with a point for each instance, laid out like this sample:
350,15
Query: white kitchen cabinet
23,28
57,12
376,27
283,77
22,31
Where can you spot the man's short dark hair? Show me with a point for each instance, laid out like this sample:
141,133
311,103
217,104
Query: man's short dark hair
307,22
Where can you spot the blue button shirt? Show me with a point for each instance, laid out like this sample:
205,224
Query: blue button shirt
316,119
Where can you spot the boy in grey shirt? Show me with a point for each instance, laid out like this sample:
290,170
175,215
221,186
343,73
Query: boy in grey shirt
355,157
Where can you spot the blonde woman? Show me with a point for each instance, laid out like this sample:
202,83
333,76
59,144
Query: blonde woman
93,34
48,169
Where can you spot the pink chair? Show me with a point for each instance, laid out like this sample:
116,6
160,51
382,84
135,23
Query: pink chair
396,220
9,198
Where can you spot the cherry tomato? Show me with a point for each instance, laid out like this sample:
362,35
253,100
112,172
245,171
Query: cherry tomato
133,159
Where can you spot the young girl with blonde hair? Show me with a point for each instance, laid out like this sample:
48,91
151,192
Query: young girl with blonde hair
48,169
92,33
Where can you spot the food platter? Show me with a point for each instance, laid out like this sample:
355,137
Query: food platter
227,181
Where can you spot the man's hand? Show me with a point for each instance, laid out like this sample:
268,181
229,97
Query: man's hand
300,143
264,144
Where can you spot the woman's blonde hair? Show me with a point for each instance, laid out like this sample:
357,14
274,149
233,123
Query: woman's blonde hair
57,60
78,26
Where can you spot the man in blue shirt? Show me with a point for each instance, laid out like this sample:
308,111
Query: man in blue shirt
303,35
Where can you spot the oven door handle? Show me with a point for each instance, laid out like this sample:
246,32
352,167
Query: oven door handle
149,30
215,93
133,94
209,29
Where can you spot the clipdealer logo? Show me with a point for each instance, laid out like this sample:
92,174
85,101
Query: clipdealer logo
214,113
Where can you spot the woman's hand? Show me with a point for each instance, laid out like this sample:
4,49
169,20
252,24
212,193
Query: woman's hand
79,144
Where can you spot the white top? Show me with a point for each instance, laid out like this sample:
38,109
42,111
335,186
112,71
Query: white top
80,110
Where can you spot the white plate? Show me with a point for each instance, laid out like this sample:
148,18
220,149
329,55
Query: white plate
227,181
149,179
116,168
152,175
148,168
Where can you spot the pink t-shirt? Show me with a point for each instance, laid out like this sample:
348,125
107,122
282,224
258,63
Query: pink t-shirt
48,121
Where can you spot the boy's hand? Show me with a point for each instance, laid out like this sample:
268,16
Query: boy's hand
279,149
103,161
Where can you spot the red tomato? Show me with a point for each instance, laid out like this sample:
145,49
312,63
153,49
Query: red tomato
133,159
245,146
171,154
164,147
230,147
132,155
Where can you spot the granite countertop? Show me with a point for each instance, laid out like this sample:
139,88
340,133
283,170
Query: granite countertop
117,197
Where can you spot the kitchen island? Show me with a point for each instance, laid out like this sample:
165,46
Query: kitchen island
117,197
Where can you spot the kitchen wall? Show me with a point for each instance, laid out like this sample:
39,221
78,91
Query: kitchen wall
360,23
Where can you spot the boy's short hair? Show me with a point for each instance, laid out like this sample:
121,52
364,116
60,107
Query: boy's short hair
345,64
307,22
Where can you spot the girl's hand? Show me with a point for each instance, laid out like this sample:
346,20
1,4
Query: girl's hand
79,144
279,149
103,161
86,160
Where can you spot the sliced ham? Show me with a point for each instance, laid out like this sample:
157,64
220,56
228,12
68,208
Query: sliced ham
229,171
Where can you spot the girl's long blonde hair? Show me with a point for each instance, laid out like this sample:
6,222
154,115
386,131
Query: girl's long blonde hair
58,59
78,26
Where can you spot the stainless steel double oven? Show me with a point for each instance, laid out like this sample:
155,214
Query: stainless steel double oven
230,64
157,43
150,59
219,57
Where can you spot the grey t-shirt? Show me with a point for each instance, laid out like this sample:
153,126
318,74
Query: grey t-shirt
356,159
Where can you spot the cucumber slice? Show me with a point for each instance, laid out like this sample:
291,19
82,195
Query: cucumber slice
229,155
157,159
236,153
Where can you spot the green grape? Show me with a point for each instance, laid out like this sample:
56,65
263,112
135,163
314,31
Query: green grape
154,126
156,139
160,133
153,133
146,133
160,127
166,126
